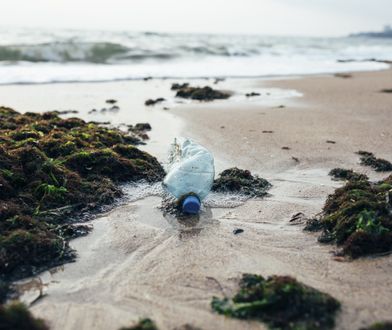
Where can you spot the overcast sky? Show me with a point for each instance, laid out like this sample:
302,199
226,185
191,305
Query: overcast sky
272,17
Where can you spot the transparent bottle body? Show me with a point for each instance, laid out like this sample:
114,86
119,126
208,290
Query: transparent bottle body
190,170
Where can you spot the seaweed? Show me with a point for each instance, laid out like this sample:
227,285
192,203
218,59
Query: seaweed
358,218
144,324
16,316
280,301
235,180
201,93
379,164
150,102
252,94
177,86
51,171
386,325
344,174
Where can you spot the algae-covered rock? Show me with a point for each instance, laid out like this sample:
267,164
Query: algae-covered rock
16,316
280,301
235,180
201,93
52,169
144,324
358,218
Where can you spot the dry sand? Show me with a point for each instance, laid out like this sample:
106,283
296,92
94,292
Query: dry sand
136,263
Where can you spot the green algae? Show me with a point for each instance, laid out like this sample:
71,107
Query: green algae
387,325
238,181
358,218
16,316
51,170
345,174
144,324
280,301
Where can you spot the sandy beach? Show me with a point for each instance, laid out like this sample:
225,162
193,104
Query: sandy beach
137,263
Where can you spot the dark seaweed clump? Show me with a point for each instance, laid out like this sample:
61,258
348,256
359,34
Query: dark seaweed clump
235,180
144,324
379,164
50,170
177,86
16,316
379,326
280,301
150,102
358,218
201,93
344,174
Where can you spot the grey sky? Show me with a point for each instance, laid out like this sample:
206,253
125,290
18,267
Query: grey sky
287,17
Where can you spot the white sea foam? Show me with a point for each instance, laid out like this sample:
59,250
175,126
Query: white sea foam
136,191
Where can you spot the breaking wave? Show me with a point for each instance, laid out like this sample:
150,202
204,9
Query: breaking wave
42,56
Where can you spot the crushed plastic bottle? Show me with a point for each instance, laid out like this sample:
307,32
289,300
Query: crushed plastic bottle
190,174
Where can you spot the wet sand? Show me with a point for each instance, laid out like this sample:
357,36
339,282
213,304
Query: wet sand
137,263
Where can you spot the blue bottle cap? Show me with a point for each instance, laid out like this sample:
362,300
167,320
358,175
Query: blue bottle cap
191,205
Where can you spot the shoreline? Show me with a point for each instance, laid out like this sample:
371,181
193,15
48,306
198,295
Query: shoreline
212,78
165,273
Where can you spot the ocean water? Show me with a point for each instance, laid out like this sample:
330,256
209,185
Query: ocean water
42,56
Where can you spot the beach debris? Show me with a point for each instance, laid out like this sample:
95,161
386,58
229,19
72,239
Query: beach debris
379,164
16,316
344,174
177,86
238,181
238,231
201,93
147,78
386,325
267,132
150,102
331,141
144,324
357,217
281,106
387,90
252,94
281,302
343,75
92,111
166,108
286,148
111,101
295,159
51,171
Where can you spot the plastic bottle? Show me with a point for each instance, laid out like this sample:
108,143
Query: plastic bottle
190,174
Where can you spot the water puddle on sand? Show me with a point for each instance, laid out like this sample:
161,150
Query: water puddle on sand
139,219
119,234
